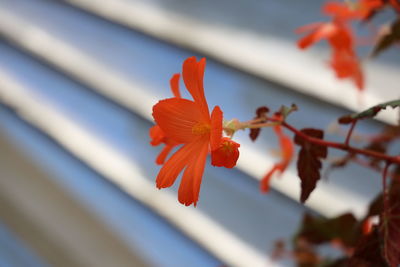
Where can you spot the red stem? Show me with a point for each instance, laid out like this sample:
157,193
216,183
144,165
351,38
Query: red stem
353,124
342,146
385,191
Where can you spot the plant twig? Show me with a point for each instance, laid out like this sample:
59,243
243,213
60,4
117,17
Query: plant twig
353,124
342,146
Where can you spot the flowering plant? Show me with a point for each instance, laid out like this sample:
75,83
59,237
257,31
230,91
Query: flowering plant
188,124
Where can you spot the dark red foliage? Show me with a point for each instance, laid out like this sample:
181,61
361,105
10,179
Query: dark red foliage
261,112
305,254
254,133
395,4
390,226
388,39
309,161
317,230
367,252
376,206
371,8
342,262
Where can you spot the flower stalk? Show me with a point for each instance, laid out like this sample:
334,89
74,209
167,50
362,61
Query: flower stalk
270,122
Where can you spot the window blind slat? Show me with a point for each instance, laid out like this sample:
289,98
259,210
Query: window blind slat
260,41
62,46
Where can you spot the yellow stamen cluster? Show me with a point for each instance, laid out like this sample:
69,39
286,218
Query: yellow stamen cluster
201,128
227,147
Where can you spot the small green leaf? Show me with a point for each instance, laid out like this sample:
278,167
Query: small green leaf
285,111
369,113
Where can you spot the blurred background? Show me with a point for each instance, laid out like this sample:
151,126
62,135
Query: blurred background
78,79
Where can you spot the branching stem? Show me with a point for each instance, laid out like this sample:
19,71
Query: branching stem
385,190
353,124
268,122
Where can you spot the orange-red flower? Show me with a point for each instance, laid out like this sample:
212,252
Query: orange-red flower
287,150
346,65
188,122
157,135
336,33
360,10
395,4
342,11
370,7
226,154
339,36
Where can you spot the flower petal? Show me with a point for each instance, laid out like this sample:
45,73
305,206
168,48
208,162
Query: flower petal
324,31
163,154
347,65
174,83
395,4
216,128
341,11
171,169
176,118
341,38
193,74
287,148
157,135
264,184
189,188
226,155
309,27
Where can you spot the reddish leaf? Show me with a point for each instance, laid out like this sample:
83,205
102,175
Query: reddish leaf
342,262
304,254
260,113
317,230
367,252
395,4
254,133
390,226
389,38
376,206
371,7
309,161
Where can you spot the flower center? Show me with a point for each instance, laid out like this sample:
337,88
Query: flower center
227,147
201,128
